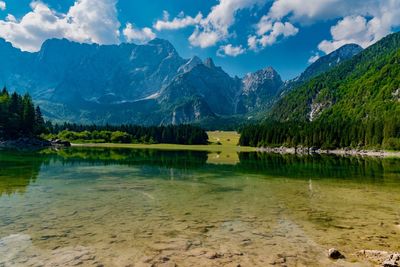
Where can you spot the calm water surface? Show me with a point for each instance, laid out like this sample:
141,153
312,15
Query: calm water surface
116,207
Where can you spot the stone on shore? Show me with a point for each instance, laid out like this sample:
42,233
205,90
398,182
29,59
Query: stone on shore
335,254
392,261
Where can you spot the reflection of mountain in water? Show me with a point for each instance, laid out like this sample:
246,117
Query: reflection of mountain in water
18,170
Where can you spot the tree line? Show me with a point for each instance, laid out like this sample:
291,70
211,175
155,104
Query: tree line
171,134
19,116
325,134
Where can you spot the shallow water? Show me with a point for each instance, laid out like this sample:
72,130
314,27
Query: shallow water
116,207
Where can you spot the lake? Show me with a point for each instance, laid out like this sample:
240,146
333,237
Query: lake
125,207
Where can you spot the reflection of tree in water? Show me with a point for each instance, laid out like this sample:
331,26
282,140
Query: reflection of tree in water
318,166
133,157
18,170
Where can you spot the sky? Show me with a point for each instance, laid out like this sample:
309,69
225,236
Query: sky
241,36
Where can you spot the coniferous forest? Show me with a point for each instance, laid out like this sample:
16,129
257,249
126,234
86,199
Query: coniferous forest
19,116
372,134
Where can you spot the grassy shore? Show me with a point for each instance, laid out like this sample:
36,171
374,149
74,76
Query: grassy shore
222,149
219,142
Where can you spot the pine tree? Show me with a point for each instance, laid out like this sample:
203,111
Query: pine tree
40,126
28,115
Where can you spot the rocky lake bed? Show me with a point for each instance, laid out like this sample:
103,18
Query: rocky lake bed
116,207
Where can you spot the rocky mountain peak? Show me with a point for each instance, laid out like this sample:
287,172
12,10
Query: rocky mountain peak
263,74
190,64
163,44
253,81
208,62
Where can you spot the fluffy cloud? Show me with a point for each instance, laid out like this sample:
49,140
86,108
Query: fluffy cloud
204,39
90,21
214,27
230,50
138,35
179,22
269,32
3,5
360,21
362,30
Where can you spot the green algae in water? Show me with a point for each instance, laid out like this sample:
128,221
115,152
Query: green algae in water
121,206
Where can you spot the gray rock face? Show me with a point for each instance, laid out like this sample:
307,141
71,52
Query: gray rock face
209,83
258,89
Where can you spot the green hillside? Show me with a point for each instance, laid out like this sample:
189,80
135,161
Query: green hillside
355,104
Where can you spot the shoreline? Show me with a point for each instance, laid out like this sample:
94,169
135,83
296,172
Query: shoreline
222,148
31,143
339,152
208,148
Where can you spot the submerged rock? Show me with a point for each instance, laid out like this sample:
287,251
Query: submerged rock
58,142
392,261
335,254
384,258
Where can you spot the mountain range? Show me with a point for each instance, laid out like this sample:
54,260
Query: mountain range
148,84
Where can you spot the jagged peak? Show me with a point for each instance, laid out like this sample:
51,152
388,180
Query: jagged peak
190,64
208,62
267,73
195,59
161,42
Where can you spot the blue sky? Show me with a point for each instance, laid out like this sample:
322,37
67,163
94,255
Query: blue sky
240,35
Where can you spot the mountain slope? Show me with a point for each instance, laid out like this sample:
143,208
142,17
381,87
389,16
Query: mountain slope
364,86
330,61
356,105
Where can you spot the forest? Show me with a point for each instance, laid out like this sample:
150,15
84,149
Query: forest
19,116
325,134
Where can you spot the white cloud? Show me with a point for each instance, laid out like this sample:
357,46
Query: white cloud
360,21
252,42
362,30
269,32
214,27
230,50
179,22
90,21
3,5
313,10
11,18
203,39
138,35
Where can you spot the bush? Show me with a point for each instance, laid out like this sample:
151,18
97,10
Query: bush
121,137
391,143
